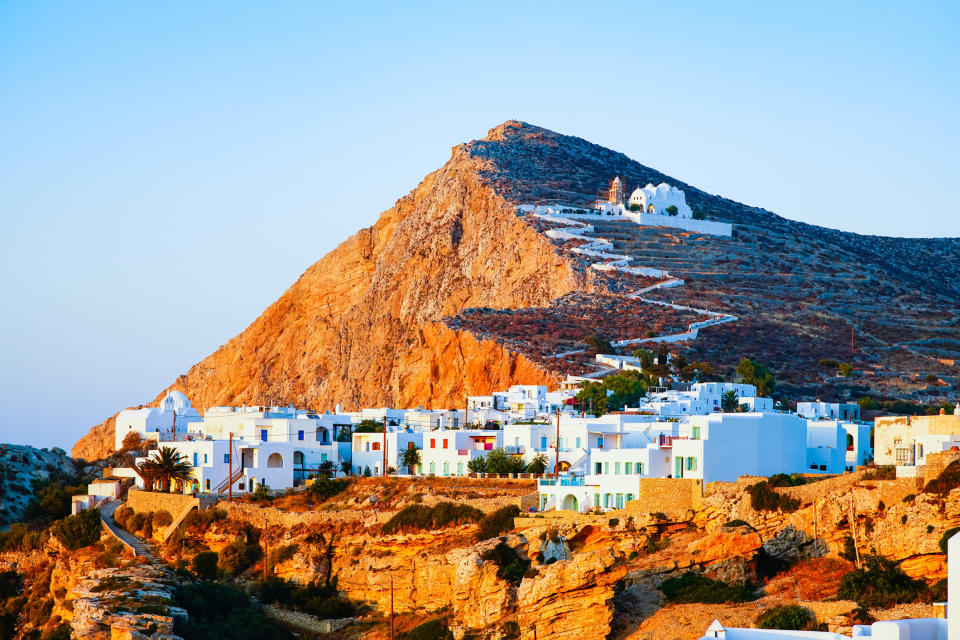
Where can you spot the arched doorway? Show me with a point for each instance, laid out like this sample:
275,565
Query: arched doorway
275,461
564,465
650,209
570,503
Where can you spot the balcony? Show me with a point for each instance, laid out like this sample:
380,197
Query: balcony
562,481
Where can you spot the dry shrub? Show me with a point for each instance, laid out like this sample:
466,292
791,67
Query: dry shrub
815,579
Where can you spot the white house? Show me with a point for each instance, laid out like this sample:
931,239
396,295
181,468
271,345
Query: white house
370,449
447,452
829,410
156,423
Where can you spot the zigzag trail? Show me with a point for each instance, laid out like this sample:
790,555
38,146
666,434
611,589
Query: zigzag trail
604,260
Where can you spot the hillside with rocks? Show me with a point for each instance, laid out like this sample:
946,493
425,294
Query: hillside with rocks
454,291
23,467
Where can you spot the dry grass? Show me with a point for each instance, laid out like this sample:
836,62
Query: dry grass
816,579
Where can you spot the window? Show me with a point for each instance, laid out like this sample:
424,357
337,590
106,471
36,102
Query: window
433,443
578,442
204,458
446,467
240,486
300,435
616,468
433,468
814,467
376,446
562,441
640,468
206,484
627,468
691,464
226,458
459,468
599,442
619,501
823,467
606,467
456,422
263,436
323,457
629,497
196,462
696,433
410,445
543,442
606,500
596,499
445,442
597,468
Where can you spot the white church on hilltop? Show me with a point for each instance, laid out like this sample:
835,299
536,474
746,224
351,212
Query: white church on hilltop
656,206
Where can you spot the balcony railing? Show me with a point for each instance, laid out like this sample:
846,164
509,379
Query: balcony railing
563,481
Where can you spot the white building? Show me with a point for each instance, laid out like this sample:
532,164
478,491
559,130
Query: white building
829,410
156,423
658,199
447,452
369,450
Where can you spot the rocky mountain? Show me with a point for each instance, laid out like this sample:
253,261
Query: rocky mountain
22,466
456,291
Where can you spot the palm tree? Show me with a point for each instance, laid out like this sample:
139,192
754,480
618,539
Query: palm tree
729,401
144,470
168,466
538,464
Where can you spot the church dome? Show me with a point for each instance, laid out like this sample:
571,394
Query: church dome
174,401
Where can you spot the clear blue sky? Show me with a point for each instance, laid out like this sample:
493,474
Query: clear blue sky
168,169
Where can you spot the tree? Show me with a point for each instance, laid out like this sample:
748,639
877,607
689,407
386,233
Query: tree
592,397
131,441
410,459
729,401
477,465
501,462
369,426
758,375
645,357
698,214
538,464
346,467
671,210
845,369
598,344
167,467
80,530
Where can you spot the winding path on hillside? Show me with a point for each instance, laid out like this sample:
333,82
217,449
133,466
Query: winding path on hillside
600,251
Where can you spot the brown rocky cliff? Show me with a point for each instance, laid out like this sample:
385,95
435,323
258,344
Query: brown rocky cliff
359,327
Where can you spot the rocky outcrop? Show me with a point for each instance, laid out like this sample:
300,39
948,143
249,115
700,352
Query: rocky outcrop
125,604
22,465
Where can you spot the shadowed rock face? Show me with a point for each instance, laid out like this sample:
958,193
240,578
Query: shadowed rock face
367,324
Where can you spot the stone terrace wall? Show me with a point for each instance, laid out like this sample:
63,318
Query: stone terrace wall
937,462
892,490
667,495
172,503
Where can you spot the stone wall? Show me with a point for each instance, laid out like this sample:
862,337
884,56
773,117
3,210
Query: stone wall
937,462
667,495
172,503
529,501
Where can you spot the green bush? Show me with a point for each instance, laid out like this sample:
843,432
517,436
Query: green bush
787,617
323,601
692,587
122,515
325,488
501,462
238,556
497,522
510,566
880,583
763,498
204,565
417,517
436,629
213,608
949,533
730,524
162,519
786,480
78,531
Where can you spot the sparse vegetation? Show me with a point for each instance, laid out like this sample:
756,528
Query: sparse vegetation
418,517
80,530
213,607
787,617
692,587
497,522
511,567
321,600
763,498
880,583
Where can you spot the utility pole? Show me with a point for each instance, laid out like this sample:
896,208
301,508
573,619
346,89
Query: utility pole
534,632
391,606
266,549
230,470
383,469
851,340
853,529
556,468
174,428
